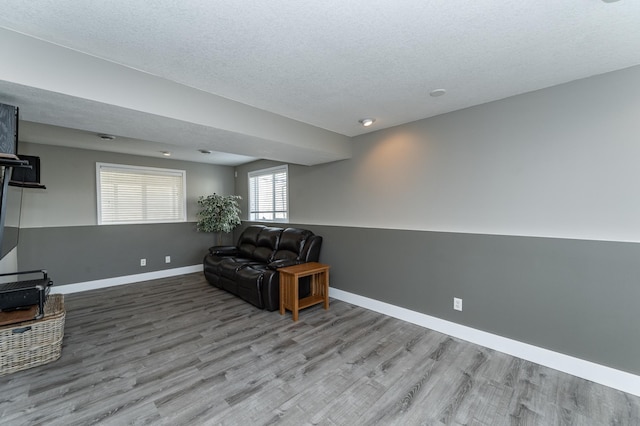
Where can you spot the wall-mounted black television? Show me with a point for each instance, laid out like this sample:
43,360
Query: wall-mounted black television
27,177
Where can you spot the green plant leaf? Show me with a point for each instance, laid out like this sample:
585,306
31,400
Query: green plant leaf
218,213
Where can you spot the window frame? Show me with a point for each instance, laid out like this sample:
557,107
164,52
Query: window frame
264,172
153,171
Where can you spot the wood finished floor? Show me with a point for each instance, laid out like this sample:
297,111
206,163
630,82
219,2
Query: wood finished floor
177,351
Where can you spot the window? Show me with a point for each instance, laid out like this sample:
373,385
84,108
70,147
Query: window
268,194
130,194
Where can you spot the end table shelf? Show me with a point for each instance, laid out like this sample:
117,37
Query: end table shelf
289,292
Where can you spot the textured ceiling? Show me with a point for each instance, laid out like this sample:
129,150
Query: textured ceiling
333,62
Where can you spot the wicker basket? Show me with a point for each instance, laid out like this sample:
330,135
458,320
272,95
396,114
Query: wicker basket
33,343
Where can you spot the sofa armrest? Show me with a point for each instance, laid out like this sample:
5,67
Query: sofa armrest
223,250
283,263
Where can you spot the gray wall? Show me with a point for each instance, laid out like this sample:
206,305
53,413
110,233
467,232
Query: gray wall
58,226
75,254
9,241
559,294
525,208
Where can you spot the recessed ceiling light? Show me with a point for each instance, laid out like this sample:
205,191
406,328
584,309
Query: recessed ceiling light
106,137
204,151
166,153
609,1
366,122
437,92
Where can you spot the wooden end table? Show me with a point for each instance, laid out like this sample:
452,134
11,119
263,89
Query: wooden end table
289,276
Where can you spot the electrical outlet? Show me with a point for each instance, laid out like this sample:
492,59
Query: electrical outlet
167,259
457,304
143,262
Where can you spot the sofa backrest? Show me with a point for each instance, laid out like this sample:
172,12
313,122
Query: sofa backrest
291,244
266,244
248,241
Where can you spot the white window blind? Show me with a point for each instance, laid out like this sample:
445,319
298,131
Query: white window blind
268,194
130,194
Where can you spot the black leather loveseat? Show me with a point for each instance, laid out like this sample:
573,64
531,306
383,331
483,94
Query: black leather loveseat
250,269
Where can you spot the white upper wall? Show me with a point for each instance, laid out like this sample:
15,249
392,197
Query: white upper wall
559,162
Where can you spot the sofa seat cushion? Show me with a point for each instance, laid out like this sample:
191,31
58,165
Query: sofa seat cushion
212,263
229,266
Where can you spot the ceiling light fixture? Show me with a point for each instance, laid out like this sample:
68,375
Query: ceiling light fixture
106,137
437,92
609,1
366,122
166,153
204,151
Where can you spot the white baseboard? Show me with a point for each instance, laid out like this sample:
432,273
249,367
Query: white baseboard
128,279
597,373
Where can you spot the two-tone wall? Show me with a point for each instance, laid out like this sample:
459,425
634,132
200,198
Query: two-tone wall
526,208
58,225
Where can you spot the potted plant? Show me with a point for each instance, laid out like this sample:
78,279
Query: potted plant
219,213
